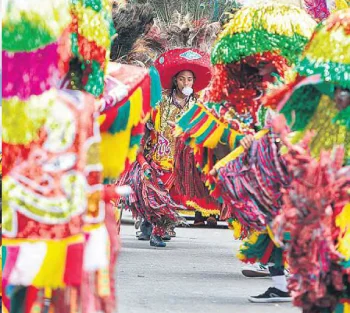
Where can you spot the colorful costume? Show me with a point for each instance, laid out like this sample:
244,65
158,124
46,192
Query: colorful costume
60,237
182,30
163,152
151,176
129,96
316,206
233,104
321,9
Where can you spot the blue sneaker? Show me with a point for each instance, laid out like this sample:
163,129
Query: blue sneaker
156,241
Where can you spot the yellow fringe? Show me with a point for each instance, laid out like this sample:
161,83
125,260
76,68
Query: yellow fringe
16,241
53,18
48,293
340,5
321,46
114,151
202,129
114,163
205,212
213,140
276,18
237,229
346,307
24,118
187,212
101,119
93,25
52,270
343,222
157,121
90,227
132,154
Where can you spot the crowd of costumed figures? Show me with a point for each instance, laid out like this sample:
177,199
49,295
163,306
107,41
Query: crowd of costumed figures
245,117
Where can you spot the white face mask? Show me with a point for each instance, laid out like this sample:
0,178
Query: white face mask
187,91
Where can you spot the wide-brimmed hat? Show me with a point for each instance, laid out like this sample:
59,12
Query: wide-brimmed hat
174,61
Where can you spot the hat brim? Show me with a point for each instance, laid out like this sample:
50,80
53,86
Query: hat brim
172,63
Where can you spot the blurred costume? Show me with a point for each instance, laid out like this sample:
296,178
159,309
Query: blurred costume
316,206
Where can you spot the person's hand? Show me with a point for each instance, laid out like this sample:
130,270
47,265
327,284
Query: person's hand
141,149
247,142
213,172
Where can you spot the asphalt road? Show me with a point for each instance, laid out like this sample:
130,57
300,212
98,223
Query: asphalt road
196,273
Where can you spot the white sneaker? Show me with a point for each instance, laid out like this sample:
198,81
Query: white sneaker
255,270
138,223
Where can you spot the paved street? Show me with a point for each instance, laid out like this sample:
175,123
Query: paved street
197,272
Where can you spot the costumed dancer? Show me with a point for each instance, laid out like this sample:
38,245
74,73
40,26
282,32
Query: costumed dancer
61,240
190,31
245,63
187,30
180,30
316,207
151,176
183,73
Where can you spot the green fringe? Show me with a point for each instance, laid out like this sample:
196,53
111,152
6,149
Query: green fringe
18,300
135,140
262,117
197,120
205,135
340,308
4,256
231,49
303,103
186,118
337,73
25,36
93,4
343,118
255,250
95,84
345,264
156,87
121,121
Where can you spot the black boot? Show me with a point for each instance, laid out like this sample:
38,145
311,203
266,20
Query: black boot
166,237
198,219
211,221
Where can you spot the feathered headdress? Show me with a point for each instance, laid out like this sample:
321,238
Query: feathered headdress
190,25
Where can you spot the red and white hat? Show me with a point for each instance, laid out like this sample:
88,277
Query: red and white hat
174,61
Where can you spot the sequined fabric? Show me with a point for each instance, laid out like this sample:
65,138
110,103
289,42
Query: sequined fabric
163,142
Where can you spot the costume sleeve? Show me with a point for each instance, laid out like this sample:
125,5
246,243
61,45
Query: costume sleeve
237,152
143,162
